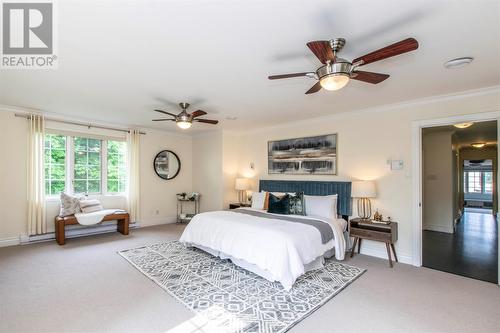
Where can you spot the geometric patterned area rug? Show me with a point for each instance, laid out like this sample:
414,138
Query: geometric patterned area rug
227,298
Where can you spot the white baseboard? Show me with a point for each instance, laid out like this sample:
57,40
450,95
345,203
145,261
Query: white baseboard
77,232
439,228
74,231
382,253
9,241
146,222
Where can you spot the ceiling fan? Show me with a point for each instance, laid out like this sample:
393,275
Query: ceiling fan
184,120
336,72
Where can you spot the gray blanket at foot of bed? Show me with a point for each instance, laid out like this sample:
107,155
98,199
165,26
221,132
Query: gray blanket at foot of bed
324,228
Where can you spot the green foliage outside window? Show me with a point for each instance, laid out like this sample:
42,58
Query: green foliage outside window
55,160
87,165
117,175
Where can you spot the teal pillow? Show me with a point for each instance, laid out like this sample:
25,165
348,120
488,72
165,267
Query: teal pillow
279,205
297,206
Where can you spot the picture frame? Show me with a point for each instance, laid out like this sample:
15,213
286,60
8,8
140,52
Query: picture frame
312,155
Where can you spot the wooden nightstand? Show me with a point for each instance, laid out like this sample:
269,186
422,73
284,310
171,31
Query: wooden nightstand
364,229
238,205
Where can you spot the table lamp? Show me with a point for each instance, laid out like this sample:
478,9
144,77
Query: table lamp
363,190
242,185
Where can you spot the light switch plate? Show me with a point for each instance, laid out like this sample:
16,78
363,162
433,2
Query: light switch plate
397,165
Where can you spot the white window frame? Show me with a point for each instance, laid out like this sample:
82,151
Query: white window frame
70,163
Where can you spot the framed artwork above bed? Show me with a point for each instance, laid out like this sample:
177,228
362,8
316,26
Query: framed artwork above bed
314,155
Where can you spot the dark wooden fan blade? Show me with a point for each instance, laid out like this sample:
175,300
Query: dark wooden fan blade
164,119
198,113
165,112
369,77
392,50
286,76
322,50
208,121
315,88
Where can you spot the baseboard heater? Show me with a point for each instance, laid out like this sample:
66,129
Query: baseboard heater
78,231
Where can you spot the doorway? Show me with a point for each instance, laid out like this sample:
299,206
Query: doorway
459,200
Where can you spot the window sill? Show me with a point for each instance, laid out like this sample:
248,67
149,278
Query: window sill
90,196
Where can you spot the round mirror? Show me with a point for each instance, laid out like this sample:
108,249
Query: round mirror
167,164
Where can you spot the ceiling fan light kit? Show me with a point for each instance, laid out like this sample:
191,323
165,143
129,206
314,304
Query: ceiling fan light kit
337,72
184,120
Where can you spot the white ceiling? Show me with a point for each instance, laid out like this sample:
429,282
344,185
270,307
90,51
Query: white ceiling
118,60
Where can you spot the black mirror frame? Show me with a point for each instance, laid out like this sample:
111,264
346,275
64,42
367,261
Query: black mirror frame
178,160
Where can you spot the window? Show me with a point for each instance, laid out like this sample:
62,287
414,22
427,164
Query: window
480,182
87,165
117,174
55,164
77,164
474,182
488,182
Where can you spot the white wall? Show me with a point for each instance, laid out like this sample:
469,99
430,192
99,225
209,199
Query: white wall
367,139
438,181
158,196
158,200
208,171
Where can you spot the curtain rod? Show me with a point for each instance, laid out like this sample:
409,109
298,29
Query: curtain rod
22,115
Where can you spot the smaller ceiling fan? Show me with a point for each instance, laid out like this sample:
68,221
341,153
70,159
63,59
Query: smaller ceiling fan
336,72
184,120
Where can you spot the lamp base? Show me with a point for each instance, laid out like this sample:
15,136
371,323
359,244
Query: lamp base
364,208
242,197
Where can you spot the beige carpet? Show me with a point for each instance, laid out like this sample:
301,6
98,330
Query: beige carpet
85,286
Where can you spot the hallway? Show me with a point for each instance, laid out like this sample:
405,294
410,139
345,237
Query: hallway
472,251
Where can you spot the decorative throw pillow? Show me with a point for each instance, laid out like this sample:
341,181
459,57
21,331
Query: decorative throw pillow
90,206
69,204
279,205
297,206
259,200
321,205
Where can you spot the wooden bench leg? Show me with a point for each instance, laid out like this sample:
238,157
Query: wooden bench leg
60,234
389,254
122,226
359,245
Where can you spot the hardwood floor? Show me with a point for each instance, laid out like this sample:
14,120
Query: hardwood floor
472,251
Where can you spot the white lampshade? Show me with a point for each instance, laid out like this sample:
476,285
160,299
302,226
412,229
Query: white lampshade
242,184
363,189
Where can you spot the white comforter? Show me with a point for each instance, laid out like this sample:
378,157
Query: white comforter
280,248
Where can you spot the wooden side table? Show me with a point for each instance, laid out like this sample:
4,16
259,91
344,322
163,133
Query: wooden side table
238,205
364,229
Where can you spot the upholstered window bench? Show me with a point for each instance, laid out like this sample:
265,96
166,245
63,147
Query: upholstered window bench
60,222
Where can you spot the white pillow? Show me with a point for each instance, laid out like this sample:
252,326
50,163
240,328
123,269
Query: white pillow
258,200
90,206
321,205
69,204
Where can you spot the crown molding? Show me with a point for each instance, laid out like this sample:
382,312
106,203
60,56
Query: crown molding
388,107
58,116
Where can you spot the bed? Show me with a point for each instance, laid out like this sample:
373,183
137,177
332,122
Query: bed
277,247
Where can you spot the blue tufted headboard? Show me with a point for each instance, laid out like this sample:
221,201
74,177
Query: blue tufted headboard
343,189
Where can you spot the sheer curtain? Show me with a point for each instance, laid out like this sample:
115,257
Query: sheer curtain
133,141
37,223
